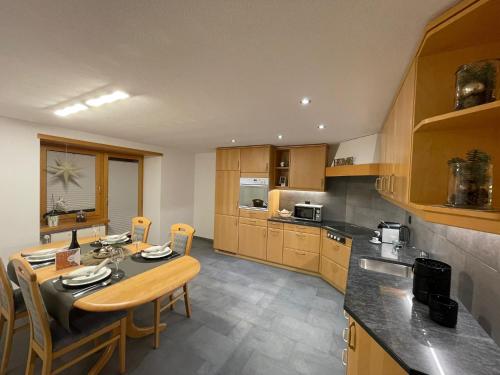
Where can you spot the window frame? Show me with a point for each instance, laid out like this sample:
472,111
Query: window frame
100,215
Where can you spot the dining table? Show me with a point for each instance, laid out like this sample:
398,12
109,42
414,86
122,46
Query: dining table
127,294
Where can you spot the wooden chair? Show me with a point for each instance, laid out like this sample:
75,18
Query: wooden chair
140,227
49,340
181,236
12,309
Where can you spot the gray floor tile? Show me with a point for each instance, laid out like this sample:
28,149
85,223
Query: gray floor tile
248,318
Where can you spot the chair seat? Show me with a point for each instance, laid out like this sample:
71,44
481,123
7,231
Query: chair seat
19,304
83,324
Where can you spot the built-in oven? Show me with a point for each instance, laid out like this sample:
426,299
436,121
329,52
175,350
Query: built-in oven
307,211
254,192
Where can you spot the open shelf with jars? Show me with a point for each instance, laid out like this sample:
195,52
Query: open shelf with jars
468,36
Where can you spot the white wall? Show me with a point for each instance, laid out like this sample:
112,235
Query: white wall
204,194
168,183
365,149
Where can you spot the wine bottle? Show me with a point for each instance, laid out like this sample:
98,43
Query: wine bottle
74,242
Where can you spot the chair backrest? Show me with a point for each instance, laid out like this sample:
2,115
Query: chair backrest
182,238
39,318
140,227
7,305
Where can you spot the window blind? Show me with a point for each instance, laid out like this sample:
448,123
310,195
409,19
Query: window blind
78,193
123,193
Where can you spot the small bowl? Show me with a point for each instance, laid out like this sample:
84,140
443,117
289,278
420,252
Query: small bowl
285,214
443,310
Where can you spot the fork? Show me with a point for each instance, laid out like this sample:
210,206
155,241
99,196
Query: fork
91,288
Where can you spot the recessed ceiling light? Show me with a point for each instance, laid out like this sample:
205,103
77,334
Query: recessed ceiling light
280,136
66,111
321,126
305,100
108,98
233,140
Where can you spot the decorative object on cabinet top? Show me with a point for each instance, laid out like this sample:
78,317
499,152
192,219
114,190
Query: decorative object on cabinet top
477,83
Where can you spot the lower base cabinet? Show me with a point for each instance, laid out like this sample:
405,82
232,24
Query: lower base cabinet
365,356
226,233
252,241
333,273
301,259
275,245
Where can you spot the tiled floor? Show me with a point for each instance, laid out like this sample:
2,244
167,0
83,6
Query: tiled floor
248,318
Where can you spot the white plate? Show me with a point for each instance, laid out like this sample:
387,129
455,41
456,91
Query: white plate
84,280
40,259
375,242
160,254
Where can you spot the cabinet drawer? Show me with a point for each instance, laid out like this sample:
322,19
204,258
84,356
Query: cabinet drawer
334,273
258,222
301,241
302,228
274,225
301,259
254,214
335,251
252,240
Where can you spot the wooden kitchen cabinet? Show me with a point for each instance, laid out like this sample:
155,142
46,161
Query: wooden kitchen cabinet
255,159
227,159
365,356
333,273
227,192
301,259
307,167
275,245
252,241
334,263
302,241
226,233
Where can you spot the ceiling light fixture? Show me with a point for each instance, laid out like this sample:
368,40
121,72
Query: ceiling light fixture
280,136
108,98
233,140
63,112
321,126
305,100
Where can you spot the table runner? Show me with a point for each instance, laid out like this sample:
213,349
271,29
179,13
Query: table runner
59,301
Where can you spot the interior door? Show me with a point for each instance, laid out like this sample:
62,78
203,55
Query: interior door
123,194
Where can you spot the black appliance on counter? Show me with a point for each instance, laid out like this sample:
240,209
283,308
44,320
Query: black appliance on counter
430,277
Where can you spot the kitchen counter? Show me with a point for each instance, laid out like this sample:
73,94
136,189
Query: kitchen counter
341,227
384,306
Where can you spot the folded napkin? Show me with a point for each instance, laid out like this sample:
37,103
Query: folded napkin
116,237
44,252
158,248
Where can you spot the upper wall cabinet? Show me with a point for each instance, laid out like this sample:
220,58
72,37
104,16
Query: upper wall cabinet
255,159
228,159
307,167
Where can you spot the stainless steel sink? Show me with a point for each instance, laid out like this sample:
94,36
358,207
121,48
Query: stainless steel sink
383,266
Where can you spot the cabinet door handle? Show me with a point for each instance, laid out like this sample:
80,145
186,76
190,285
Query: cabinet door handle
377,184
300,235
344,357
252,221
267,167
345,334
352,332
392,178
346,316
322,183
300,252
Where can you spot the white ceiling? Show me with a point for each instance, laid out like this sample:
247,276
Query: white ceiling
202,72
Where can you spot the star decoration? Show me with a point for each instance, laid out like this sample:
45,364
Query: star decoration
66,171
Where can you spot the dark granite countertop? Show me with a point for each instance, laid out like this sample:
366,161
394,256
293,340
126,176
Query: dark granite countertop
384,306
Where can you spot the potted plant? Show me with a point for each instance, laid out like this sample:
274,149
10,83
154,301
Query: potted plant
58,208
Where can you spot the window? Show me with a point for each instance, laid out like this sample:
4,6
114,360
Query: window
74,179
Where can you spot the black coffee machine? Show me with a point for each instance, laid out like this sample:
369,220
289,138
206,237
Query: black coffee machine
430,277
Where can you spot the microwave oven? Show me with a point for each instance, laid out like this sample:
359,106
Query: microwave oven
310,212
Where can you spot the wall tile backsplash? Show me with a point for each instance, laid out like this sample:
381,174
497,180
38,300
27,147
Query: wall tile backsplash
474,256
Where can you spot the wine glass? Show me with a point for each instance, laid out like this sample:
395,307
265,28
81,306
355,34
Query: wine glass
96,230
136,239
117,255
